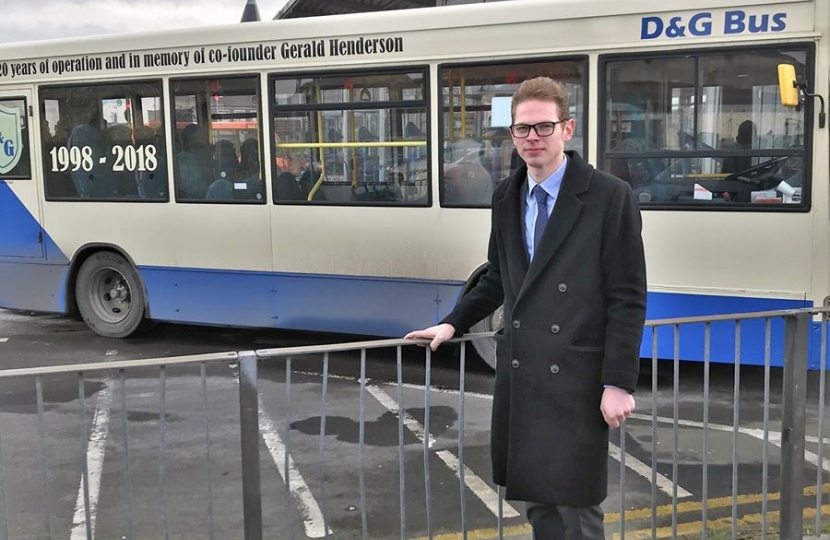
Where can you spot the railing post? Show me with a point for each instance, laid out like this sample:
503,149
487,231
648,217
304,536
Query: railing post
249,427
794,403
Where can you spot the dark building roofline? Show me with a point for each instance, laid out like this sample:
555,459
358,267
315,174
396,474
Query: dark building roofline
295,9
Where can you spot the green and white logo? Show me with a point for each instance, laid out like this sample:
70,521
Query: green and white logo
11,138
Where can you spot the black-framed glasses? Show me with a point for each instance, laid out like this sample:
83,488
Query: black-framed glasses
542,129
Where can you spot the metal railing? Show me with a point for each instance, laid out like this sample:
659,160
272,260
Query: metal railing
54,447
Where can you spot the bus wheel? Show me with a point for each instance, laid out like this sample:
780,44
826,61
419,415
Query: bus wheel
109,295
486,348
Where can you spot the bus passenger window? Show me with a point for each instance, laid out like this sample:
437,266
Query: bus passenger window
351,139
217,147
104,142
706,129
478,151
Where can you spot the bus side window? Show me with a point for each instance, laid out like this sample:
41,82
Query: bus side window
217,154
100,143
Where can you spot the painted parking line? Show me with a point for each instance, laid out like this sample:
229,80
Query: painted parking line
773,437
96,450
722,524
313,522
663,483
686,528
479,487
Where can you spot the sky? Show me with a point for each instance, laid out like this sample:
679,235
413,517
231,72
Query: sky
33,20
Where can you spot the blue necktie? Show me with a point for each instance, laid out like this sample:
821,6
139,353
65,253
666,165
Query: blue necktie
541,216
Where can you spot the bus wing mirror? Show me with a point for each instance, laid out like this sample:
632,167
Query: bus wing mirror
791,91
788,85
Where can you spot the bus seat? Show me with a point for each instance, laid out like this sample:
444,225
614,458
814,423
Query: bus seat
191,184
220,190
286,188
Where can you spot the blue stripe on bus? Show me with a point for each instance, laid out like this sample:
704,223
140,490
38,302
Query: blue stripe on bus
382,307
33,286
392,307
19,231
354,305
663,305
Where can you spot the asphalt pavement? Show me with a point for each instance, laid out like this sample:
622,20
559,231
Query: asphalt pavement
161,447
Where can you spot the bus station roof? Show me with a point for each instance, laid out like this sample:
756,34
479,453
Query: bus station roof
295,9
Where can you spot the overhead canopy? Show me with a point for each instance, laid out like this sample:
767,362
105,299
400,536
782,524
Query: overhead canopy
295,9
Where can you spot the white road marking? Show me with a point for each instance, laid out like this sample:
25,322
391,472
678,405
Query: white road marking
3,339
313,522
663,484
479,487
95,463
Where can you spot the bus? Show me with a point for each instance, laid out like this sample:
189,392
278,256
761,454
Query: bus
335,174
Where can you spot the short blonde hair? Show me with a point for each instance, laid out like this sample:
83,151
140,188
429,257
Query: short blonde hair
542,89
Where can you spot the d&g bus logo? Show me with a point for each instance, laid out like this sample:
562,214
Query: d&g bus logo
11,138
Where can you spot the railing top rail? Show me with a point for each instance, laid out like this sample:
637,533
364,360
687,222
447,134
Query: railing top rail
123,364
224,357
284,352
737,316
357,345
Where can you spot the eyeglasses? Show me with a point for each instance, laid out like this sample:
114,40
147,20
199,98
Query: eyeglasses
542,129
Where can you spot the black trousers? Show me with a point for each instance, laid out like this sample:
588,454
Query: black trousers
565,522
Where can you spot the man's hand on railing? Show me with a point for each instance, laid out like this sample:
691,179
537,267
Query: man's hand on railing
438,334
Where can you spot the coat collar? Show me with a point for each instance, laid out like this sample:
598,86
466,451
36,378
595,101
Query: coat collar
510,214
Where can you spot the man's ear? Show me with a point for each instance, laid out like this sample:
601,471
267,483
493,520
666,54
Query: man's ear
570,127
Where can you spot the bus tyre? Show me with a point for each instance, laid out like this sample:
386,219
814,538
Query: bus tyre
486,348
110,296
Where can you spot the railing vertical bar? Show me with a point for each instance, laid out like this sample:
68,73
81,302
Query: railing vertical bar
736,424
821,398
764,448
125,428
44,455
4,514
206,453
289,515
324,406
654,368
622,481
84,452
794,403
249,441
401,460
364,520
427,480
675,429
500,517
162,440
707,357
462,483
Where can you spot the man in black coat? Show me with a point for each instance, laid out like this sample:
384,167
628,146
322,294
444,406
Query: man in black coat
566,261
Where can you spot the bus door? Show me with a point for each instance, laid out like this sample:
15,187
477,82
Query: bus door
21,235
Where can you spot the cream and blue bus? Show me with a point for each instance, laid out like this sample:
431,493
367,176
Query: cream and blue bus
335,174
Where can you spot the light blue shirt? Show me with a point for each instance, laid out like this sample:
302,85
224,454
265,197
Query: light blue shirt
551,184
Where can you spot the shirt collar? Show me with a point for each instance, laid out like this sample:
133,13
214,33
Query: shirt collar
551,184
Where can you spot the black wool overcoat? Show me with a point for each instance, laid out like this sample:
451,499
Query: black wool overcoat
573,323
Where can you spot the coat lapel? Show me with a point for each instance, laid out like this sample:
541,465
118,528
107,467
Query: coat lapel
562,220
510,217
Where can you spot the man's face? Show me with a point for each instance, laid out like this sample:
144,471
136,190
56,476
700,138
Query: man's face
543,155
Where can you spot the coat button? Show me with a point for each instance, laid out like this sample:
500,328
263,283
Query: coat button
554,369
516,324
514,363
562,287
555,328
